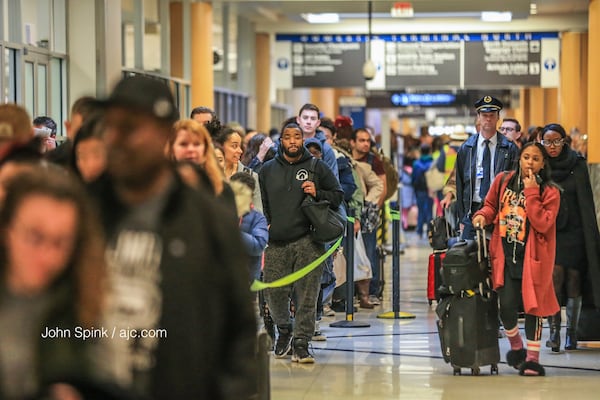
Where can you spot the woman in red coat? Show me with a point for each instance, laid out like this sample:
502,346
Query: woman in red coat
523,206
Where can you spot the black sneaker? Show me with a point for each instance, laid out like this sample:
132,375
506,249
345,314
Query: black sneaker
284,341
301,354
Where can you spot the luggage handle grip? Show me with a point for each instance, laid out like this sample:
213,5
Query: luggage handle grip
482,252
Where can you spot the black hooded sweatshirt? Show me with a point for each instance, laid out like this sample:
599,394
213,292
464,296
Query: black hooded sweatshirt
282,194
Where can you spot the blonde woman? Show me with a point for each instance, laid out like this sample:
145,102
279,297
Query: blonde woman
191,142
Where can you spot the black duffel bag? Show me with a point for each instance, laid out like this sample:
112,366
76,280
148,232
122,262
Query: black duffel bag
326,224
466,265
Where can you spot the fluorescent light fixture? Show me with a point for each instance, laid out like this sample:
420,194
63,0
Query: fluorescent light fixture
533,8
326,18
496,16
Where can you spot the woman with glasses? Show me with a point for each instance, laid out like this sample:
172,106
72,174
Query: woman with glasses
577,237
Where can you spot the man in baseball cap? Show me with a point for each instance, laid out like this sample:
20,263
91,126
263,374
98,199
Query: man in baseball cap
163,239
143,94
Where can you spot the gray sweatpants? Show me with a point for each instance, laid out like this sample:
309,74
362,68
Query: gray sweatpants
282,260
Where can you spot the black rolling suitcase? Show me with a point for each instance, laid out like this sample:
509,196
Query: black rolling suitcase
468,318
468,331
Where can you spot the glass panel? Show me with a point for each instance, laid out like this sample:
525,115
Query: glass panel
128,45
43,23
152,46
29,89
42,90
57,104
10,76
152,42
59,27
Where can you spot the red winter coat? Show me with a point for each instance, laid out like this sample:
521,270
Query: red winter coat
537,287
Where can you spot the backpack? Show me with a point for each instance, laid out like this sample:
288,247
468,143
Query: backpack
418,180
438,233
436,174
391,173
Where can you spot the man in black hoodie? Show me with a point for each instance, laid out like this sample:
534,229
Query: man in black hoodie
284,182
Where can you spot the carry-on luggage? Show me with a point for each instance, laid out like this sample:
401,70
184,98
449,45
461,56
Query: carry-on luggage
466,264
434,277
468,318
468,331
588,328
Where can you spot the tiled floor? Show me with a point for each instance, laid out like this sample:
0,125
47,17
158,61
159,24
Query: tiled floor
401,358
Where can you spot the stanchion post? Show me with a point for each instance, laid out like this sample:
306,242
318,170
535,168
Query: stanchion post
396,264
349,249
349,322
396,313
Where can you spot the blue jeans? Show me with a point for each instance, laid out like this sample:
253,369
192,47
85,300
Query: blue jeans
425,205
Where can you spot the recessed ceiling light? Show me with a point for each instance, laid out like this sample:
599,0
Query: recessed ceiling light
532,8
494,16
325,18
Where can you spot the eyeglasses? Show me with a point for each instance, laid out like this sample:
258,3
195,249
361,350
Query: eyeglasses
507,128
555,143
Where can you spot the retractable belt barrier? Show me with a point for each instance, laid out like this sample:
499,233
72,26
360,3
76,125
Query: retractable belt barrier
301,273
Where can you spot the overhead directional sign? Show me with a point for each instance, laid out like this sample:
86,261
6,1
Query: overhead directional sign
326,60
425,60
513,59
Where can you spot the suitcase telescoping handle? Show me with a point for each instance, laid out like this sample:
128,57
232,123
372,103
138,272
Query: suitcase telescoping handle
482,251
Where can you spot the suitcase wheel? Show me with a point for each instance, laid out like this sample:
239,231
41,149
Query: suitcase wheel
494,369
456,371
475,371
430,301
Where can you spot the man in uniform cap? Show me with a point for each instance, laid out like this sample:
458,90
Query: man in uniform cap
488,104
474,169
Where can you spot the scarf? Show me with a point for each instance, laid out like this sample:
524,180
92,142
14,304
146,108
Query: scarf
562,165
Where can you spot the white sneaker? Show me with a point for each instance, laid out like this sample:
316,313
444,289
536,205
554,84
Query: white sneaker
318,336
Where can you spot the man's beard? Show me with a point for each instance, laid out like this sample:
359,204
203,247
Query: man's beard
291,154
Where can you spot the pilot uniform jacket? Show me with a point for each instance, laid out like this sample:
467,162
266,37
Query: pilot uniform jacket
505,159
537,288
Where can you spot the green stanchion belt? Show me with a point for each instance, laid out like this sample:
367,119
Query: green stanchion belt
301,273
395,215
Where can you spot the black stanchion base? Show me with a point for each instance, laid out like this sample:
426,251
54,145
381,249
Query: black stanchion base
349,324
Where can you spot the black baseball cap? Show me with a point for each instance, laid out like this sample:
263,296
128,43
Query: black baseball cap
488,104
147,95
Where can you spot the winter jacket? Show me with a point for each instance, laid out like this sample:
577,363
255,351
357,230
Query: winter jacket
329,157
421,166
537,287
282,194
571,166
253,227
206,308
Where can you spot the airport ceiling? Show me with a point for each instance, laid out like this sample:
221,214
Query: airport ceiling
285,15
